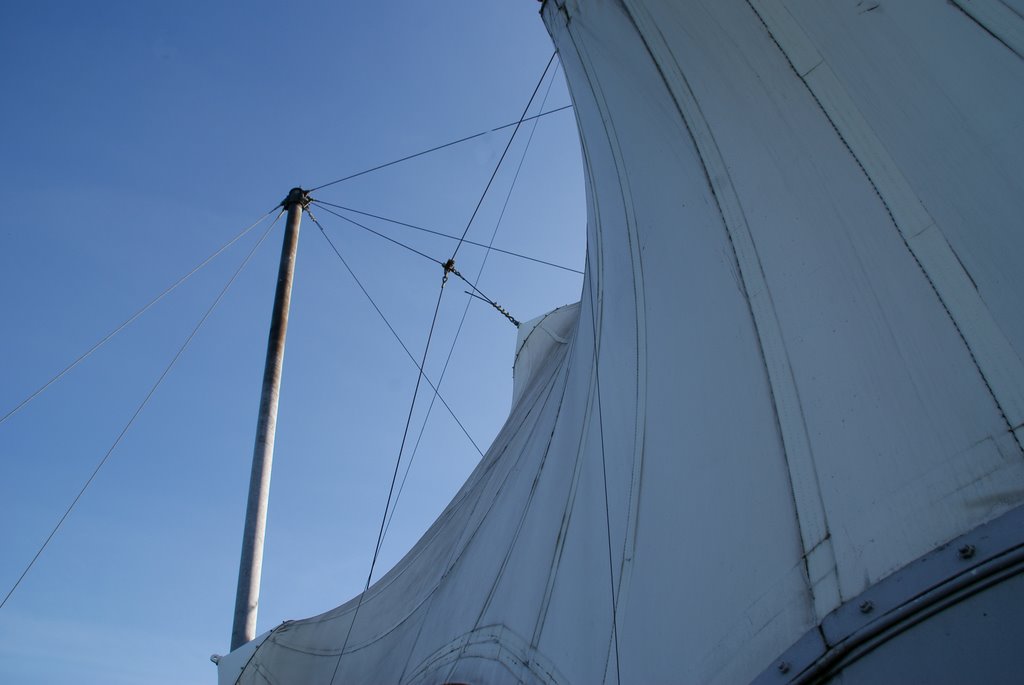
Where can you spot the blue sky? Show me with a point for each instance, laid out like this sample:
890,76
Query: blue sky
139,137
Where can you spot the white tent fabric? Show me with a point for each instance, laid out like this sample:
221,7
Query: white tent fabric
536,342
796,366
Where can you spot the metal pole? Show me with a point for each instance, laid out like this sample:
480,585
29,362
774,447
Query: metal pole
251,565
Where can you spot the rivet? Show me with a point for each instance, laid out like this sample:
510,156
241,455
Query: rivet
966,552
866,606
783,667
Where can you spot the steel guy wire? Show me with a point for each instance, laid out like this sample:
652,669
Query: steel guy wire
391,328
82,357
438,147
450,237
138,410
504,152
465,310
480,295
479,273
451,270
379,234
448,267
394,475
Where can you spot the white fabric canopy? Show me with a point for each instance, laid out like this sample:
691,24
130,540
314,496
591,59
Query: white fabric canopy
796,365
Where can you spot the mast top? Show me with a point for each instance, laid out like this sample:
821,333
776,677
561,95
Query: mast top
296,196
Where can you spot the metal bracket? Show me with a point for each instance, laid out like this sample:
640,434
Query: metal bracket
296,196
902,597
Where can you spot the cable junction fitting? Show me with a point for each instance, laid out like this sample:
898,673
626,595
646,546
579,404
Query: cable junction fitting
449,268
501,310
296,196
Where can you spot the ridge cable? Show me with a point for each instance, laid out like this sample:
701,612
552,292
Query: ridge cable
604,481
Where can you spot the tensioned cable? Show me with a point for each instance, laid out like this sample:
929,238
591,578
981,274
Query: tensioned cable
524,512
377,233
479,294
446,235
82,357
448,267
139,409
465,311
393,331
503,153
405,431
451,270
436,148
394,476
604,474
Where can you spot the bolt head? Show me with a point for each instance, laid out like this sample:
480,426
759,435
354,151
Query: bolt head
867,606
966,552
783,667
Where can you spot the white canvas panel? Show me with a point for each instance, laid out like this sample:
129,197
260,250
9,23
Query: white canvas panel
794,369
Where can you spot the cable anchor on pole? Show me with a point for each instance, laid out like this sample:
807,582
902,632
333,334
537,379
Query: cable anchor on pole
296,196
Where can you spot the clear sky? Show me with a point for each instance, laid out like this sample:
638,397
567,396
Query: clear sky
137,138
